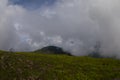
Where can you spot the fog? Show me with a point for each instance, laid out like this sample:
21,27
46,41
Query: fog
74,25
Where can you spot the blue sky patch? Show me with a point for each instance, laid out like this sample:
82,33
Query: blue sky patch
32,4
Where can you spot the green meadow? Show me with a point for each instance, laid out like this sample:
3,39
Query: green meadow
38,66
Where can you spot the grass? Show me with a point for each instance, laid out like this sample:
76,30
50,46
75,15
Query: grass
35,66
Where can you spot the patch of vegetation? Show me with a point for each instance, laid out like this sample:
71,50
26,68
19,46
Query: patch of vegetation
32,66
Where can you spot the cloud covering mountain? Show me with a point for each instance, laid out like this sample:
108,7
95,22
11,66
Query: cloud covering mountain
75,25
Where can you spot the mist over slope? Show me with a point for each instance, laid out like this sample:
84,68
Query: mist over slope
75,25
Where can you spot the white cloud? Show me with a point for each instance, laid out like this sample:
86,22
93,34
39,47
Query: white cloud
82,21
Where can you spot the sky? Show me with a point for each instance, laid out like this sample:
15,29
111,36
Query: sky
74,25
32,4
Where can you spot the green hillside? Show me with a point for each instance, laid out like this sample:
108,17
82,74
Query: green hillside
35,66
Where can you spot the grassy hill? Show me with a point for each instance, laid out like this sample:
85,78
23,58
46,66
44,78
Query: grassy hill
52,50
35,66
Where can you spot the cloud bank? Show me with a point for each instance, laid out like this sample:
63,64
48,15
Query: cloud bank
75,25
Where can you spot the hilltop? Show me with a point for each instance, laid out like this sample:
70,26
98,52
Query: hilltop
33,66
52,50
